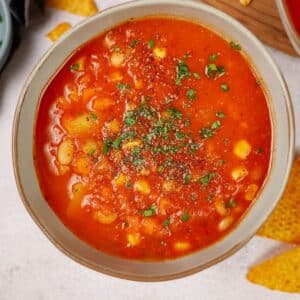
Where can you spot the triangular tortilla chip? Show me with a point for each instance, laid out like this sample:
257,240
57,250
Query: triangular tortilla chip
280,273
79,7
58,31
284,223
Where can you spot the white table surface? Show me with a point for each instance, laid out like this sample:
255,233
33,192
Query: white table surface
32,268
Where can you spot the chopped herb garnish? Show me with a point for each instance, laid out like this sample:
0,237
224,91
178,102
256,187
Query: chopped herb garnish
194,147
185,217
133,43
150,211
191,94
214,71
125,135
213,57
194,196
75,67
117,49
182,72
196,75
160,169
128,185
93,116
106,146
220,115
220,162
260,150
174,112
187,178
151,43
180,135
231,203
187,123
215,125
166,222
224,87
206,132
130,118
123,86
210,197
235,46
205,180
168,100
91,152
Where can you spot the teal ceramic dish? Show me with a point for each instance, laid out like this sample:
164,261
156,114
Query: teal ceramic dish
5,32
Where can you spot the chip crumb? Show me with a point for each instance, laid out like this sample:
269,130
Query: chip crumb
58,31
245,2
284,222
83,8
280,273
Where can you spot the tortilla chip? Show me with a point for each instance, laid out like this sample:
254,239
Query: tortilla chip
284,223
280,273
58,31
79,7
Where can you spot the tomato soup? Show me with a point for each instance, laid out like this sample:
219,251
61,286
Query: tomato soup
153,139
293,7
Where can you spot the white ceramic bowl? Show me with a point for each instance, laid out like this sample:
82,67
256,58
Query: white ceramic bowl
282,142
288,25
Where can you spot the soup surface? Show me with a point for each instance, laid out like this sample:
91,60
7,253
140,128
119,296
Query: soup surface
153,139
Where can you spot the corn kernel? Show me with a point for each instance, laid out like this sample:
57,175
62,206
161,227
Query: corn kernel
120,180
133,239
242,149
103,218
239,173
220,208
131,144
82,166
251,191
117,59
225,223
182,246
101,104
160,53
142,186
116,76
169,186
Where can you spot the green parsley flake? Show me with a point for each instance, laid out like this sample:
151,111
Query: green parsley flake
185,217
166,222
91,152
150,211
213,57
196,75
205,180
224,87
187,178
220,115
151,43
215,125
93,117
191,94
231,203
133,43
235,46
206,132
123,86
174,112
75,67
182,72
214,71
106,146
130,118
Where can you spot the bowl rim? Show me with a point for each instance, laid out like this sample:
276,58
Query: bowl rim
288,25
210,262
7,38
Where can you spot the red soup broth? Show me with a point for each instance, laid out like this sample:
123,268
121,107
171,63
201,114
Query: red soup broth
153,139
293,7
